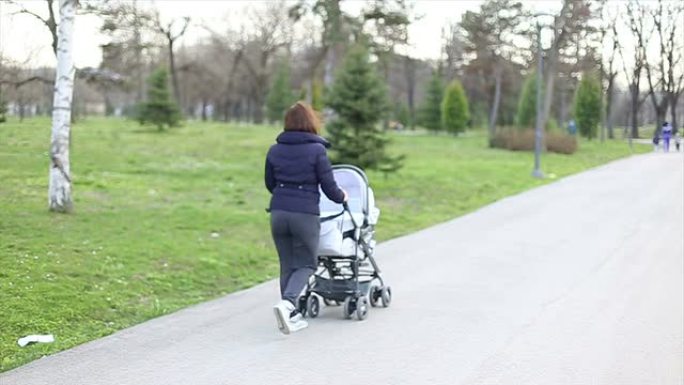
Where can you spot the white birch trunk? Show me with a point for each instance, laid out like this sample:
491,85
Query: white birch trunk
59,190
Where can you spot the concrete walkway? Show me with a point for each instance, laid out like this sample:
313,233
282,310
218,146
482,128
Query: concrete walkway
577,282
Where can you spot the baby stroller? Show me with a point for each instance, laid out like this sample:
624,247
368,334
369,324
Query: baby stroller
347,273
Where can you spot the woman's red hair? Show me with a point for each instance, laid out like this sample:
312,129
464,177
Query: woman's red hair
301,117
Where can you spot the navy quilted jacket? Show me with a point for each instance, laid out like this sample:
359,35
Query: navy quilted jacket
295,166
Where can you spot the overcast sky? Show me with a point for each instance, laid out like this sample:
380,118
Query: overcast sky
22,37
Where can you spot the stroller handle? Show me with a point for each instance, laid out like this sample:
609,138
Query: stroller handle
345,205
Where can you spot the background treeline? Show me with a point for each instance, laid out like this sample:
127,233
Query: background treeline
282,52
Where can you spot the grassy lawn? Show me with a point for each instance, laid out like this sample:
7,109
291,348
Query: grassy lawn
163,221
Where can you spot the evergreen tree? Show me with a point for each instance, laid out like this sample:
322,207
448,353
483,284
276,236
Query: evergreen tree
588,106
3,110
280,96
159,109
527,105
455,113
430,112
359,99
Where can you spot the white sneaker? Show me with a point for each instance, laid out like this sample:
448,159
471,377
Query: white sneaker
287,324
296,326
282,311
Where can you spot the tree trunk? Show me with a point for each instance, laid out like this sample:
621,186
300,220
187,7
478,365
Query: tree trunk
59,191
635,112
204,110
328,74
410,72
174,75
609,106
495,105
258,109
673,114
52,26
140,83
385,73
661,113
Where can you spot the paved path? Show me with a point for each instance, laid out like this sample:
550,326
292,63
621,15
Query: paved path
577,282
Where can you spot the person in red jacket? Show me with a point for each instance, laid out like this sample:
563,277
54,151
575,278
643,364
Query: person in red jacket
295,168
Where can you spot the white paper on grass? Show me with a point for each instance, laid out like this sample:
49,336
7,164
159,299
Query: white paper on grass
38,338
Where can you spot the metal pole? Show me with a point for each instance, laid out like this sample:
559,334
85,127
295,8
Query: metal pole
537,173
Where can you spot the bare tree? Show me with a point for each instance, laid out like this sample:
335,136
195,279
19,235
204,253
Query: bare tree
271,32
665,84
573,17
172,33
666,20
636,25
48,21
128,28
490,35
610,74
228,47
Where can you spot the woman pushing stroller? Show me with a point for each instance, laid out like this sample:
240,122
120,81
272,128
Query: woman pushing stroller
295,168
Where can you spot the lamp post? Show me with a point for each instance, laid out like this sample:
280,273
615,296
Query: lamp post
537,173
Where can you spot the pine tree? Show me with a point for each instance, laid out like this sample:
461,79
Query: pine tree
527,105
430,112
588,106
3,110
455,113
159,109
280,96
359,99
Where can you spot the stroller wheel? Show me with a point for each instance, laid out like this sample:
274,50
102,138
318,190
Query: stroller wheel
374,295
313,306
386,296
348,307
362,308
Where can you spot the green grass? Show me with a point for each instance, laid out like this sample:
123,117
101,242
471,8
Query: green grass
140,242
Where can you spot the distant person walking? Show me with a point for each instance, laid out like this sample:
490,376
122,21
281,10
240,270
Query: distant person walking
677,140
656,141
572,127
667,134
295,168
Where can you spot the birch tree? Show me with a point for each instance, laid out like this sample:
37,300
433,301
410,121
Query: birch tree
59,190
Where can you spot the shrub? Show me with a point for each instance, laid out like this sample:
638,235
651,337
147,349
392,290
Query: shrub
359,99
159,109
455,113
430,114
552,125
515,140
561,143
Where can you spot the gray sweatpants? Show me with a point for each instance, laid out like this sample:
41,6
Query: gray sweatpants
296,239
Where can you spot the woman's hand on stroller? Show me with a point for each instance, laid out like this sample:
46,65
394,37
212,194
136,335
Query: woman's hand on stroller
346,196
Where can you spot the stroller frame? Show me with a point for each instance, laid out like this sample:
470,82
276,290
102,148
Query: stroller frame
354,281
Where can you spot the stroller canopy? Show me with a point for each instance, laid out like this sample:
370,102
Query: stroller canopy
352,180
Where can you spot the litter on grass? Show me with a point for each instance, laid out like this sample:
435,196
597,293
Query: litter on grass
36,338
